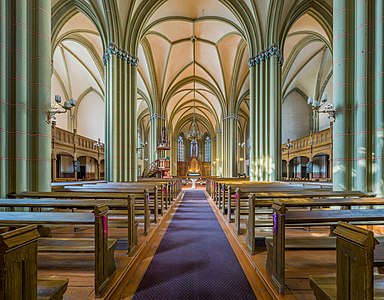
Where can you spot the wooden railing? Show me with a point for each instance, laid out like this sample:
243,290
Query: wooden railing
321,143
70,142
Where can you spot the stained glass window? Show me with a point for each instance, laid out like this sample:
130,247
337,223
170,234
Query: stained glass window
180,150
207,157
194,149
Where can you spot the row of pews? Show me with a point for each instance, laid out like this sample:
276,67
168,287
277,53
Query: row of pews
265,211
128,210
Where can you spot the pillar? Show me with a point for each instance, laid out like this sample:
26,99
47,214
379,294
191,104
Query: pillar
219,151
174,155
121,115
213,156
363,95
358,57
25,78
230,145
265,115
378,168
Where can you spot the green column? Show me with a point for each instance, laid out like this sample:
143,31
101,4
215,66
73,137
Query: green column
174,154
343,70
156,122
42,40
378,171
265,116
21,84
132,124
363,96
230,145
219,151
253,153
121,121
213,156
234,145
3,99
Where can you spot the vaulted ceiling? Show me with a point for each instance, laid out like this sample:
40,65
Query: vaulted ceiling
167,82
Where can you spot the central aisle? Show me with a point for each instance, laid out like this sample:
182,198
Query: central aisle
194,259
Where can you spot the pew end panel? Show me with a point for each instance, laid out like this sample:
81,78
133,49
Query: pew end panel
354,274
18,268
102,268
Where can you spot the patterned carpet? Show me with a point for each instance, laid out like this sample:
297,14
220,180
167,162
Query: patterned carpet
194,260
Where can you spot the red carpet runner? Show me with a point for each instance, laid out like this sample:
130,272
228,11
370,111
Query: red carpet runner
194,259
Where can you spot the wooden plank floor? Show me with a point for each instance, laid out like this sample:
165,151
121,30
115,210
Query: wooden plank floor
79,268
300,264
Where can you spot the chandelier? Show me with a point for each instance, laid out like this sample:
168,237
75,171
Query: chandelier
194,133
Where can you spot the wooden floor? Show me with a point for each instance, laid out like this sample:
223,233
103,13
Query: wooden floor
79,268
130,270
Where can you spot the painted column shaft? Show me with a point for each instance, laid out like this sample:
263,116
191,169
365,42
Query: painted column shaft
343,55
132,124
25,79
363,95
253,170
21,84
265,117
43,91
378,170
153,155
121,120
3,99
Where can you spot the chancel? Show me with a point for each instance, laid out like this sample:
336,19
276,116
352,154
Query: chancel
273,110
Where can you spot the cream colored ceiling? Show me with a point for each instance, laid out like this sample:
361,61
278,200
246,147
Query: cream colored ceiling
166,60
222,75
307,71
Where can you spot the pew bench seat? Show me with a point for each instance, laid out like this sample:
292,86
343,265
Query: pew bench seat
51,288
76,245
324,287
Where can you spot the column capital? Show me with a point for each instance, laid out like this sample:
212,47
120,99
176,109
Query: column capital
120,53
230,117
273,50
156,116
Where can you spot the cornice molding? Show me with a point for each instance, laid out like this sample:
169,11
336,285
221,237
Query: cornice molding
122,54
274,50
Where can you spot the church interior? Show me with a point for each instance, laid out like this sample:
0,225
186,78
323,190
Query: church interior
195,149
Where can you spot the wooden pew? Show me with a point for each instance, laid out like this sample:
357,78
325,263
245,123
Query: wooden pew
98,219
354,274
144,203
266,200
98,195
162,189
88,204
241,194
18,268
282,217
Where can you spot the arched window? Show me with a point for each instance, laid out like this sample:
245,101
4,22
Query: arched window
207,157
194,149
180,149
